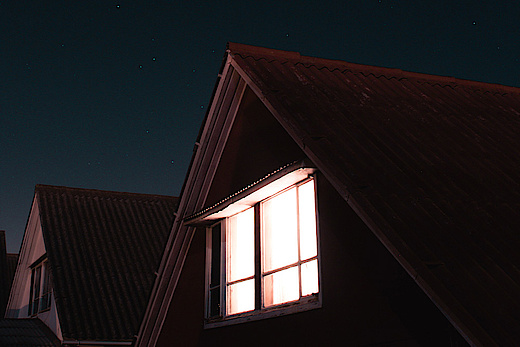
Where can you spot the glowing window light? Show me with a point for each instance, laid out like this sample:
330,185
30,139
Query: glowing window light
240,243
309,278
241,297
307,215
288,252
240,262
280,231
281,287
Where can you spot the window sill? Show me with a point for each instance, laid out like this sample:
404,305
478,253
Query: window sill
305,304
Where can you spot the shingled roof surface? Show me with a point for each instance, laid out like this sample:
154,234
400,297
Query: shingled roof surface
26,333
431,164
103,249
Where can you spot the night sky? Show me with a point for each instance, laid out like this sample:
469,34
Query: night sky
111,94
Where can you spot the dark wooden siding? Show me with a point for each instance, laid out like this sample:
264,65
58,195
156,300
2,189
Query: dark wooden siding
431,164
367,297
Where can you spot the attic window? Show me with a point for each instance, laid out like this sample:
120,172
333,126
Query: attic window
40,295
263,261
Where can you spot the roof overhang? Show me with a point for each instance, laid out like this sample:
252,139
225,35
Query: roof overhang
269,185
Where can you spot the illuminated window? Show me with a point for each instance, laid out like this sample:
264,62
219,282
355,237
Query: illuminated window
265,257
40,294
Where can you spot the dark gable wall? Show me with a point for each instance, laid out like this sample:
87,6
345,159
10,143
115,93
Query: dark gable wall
257,145
367,297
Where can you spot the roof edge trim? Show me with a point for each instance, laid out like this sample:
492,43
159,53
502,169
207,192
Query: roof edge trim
291,173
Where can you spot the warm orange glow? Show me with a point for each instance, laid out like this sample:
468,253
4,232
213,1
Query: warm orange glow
289,251
310,278
241,297
308,244
286,217
240,261
280,233
240,243
281,287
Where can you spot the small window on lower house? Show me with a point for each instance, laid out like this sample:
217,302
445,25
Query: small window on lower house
41,288
265,258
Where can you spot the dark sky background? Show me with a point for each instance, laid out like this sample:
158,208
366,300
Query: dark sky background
111,94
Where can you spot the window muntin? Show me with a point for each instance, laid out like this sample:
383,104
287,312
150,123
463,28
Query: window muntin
41,288
269,254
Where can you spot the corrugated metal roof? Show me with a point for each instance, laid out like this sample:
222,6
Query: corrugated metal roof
432,164
26,332
103,248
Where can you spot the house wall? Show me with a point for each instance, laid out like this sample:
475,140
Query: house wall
33,248
257,145
367,297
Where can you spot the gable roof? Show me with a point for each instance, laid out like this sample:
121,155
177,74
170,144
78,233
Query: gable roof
26,332
429,163
103,249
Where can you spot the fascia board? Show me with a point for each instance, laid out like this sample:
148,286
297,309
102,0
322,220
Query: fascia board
254,193
193,196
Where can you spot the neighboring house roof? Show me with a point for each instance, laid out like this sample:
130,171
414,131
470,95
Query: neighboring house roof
12,261
4,282
103,249
26,332
8,263
431,164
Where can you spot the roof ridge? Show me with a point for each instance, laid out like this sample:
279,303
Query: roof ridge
258,53
42,187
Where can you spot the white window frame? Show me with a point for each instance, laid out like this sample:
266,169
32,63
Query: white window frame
40,302
305,303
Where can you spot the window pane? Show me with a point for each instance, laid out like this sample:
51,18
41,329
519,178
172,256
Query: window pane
215,256
37,279
281,287
36,289
241,297
46,293
31,294
310,278
240,241
214,302
279,232
308,241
